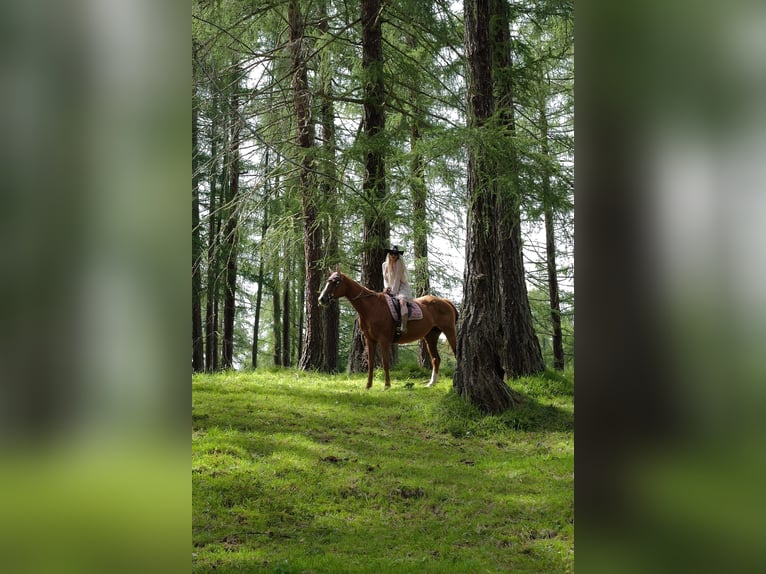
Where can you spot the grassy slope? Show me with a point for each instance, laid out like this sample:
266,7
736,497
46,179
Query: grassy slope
299,472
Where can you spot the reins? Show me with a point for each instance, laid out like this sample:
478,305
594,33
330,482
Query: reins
362,293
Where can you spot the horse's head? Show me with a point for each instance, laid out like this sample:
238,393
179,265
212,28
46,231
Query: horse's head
332,289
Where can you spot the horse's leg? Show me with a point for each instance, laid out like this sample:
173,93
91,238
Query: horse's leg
371,350
385,350
451,338
432,338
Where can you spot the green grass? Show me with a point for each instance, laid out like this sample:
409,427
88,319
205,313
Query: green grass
299,472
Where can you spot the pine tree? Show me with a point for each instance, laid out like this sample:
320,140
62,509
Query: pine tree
311,357
329,191
198,357
497,339
376,226
231,234
479,372
521,350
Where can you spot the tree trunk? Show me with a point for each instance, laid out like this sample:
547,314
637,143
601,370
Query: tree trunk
521,348
198,356
550,246
357,354
231,237
301,319
311,351
277,321
198,352
331,313
286,327
479,373
259,296
213,266
422,281
376,227
257,317
553,291
331,339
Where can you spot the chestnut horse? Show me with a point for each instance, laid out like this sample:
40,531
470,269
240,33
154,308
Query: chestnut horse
377,325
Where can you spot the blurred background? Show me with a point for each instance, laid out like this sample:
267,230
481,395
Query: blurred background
94,398
670,145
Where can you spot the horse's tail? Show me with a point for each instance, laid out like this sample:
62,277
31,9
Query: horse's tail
454,308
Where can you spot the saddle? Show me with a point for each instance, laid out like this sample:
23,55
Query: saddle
414,312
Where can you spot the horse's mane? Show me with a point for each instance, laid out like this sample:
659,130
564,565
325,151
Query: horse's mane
362,287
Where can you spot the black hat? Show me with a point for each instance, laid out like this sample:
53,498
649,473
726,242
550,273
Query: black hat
395,251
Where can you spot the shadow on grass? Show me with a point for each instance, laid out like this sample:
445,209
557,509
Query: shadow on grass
535,413
283,407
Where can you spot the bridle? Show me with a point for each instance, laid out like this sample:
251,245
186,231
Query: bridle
335,282
331,293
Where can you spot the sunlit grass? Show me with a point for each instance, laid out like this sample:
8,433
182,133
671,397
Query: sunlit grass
300,472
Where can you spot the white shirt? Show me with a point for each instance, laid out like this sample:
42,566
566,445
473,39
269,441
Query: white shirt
395,278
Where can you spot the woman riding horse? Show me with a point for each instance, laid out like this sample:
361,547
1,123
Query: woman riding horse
395,282
377,324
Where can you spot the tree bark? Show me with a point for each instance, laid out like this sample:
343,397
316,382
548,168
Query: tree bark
420,237
213,255
419,194
301,318
376,227
550,246
553,291
277,321
479,374
286,326
259,296
311,355
232,227
331,313
198,356
521,348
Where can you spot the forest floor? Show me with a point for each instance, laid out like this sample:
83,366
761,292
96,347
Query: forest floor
297,472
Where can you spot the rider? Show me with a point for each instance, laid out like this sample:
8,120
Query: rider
395,281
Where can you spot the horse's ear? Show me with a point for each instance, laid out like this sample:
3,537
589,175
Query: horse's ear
337,267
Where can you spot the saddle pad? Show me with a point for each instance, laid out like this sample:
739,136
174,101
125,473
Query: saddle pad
414,310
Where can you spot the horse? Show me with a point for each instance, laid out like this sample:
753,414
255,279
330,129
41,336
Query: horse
377,325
